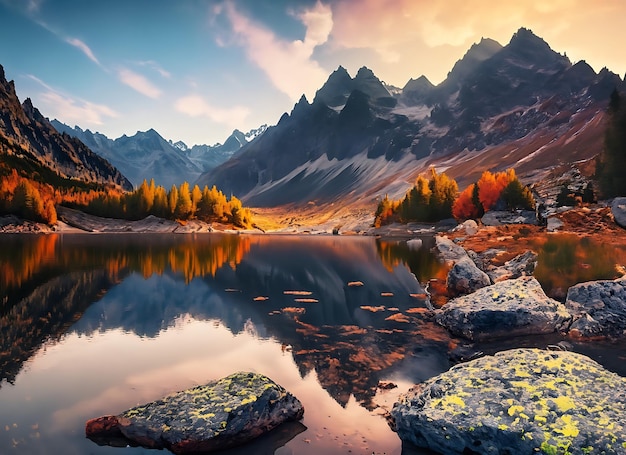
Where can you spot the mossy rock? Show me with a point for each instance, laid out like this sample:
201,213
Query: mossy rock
504,309
218,415
522,401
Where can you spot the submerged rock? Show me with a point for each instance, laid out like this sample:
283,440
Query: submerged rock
521,401
218,415
599,308
507,308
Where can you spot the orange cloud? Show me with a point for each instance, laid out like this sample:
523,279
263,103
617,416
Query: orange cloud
431,35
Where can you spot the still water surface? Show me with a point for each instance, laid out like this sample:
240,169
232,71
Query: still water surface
95,324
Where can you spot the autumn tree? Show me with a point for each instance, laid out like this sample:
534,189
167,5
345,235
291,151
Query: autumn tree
465,207
428,200
516,196
160,204
383,211
443,194
492,190
196,196
172,198
27,201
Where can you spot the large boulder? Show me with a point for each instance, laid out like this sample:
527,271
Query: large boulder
599,308
464,277
618,209
504,309
218,415
522,401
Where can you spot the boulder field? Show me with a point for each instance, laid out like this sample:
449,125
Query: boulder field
221,414
521,401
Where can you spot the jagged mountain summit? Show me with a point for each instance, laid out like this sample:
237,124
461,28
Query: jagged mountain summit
145,155
207,157
522,105
31,144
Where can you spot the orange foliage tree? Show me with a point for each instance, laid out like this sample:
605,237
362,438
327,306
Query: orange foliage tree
464,207
428,200
492,189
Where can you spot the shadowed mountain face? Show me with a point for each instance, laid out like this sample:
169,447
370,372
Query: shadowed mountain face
522,105
30,143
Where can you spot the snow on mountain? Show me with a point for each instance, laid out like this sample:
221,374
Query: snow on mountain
145,155
522,105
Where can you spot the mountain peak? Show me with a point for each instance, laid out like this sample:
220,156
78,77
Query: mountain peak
336,89
525,37
419,84
364,72
476,54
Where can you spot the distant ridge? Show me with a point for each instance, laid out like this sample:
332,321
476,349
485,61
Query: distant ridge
147,155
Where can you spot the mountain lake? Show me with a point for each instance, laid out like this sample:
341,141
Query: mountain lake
93,324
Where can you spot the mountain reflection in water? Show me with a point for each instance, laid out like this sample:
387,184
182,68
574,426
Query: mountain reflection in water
61,293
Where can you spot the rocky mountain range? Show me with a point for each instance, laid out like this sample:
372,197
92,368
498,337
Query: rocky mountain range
521,105
147,155
31,145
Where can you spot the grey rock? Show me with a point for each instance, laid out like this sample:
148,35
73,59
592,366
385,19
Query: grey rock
464,277
554,224
448,251
521,401
599,308
498,218
618,208
504,309
521,265
218,415
470,227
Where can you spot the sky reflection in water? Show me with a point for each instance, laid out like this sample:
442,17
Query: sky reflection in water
93,325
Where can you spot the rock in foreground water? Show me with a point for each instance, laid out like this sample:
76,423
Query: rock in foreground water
522,401
218,415
507,308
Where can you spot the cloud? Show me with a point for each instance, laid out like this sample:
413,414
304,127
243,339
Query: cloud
156,67
69,109
196,106
83,47
288,64
139,83
407,38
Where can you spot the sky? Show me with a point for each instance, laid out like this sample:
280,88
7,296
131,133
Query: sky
194,70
